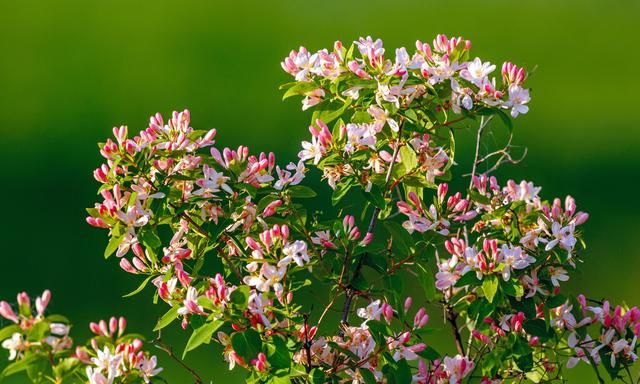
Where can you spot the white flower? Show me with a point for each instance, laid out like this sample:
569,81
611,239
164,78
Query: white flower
270,276
518,98
311,150
15,344
296,252
212,182
514,258
373,311
359,135
477,71
148,368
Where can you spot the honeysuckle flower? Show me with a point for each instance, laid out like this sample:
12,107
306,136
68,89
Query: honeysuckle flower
447,275
381,117
149,368
311,150
296,252
532,284
476,71
514,258
312,98
518,99
457,368
15,345
212,182
96,377
557,274
372,312
270,276
360,135
190,303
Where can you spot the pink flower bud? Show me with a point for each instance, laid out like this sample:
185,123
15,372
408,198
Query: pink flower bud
387,312
126,265
7,312
442,192
407,303
122,325
581,218
534,341
368,238
113,325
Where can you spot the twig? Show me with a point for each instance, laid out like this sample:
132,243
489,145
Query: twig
167,349
451,318
350,292
483,124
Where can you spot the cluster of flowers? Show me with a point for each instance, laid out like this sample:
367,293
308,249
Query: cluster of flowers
409,77
35,337
539,239
174,202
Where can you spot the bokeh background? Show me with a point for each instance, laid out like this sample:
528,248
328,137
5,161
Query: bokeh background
70,70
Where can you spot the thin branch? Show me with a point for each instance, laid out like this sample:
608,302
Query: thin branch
451,318
350,292
160,344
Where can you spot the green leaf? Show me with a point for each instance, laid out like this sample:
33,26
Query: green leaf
427,281
19,365
300,88
112,246
150,238
468,278
167,318
317,376
341,191
140,287
247,343
278,353
367,376
490,287
8,331
202,335
38,331
538,327
402,240
329,112
301,192
240,296
408,158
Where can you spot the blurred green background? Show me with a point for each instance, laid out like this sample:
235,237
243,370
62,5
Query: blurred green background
70,70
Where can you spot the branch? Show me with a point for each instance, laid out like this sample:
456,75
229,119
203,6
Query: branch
451,318
167,349
350,292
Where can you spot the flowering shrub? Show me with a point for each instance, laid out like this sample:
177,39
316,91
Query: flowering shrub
39,344
228,241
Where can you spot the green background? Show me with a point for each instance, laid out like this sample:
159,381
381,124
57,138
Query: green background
70,70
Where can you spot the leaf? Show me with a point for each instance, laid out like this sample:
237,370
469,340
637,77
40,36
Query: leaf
300,88
538,327
402,240
240,296
329,112
490,287
341,191
408,158
427,281
8,331
468,278
301,192
317,376
150,238
278,353
367,376
202,335
19,365
38,331
167,318
112,246
247,343
140,287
